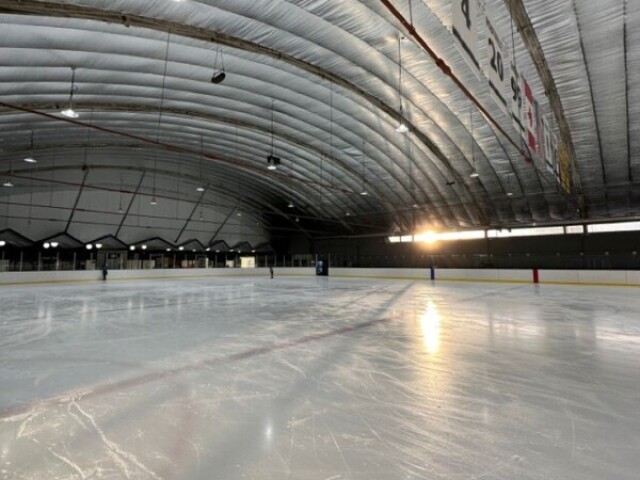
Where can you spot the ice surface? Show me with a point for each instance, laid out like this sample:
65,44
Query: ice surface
319,379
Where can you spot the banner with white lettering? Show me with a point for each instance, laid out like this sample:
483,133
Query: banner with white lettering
465,31
494,68
516,102
530,118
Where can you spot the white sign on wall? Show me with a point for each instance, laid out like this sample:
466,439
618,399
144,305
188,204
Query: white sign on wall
494,68
465,31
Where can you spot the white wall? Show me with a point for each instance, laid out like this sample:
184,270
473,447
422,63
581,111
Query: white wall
381,272
584,277
93,275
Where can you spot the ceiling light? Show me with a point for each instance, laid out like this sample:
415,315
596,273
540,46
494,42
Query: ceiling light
54,244
474,175
46,245
217,251
364,193
89,246
239,214
509,194
8,183
218,73
290,205
297,220
402,128
218,77
132,248
193,250
348,214
273,162
144,247
200,189
207,249
153,201
181,248
415,205
168,249
98,246
70,112
30,160
2,243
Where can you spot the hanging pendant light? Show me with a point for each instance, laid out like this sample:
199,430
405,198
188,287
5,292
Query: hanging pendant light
272,160
162,92
218,74
31,157
474,173
201,188
363,192
401,128
69,111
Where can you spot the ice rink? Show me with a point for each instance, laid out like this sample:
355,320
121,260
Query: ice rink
319,379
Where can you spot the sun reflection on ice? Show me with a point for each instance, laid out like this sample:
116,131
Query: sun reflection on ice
430,328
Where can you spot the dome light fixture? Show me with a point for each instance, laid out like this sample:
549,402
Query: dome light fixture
132,248
2,243
89,246
474,174
200,189
273,162
8,184
153,201
402,128
181,248
54,244
98,246
46,245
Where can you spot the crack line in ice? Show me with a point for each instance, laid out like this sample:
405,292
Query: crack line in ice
71,464
117,454
25,423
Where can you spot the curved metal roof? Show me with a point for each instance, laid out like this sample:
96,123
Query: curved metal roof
326,73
